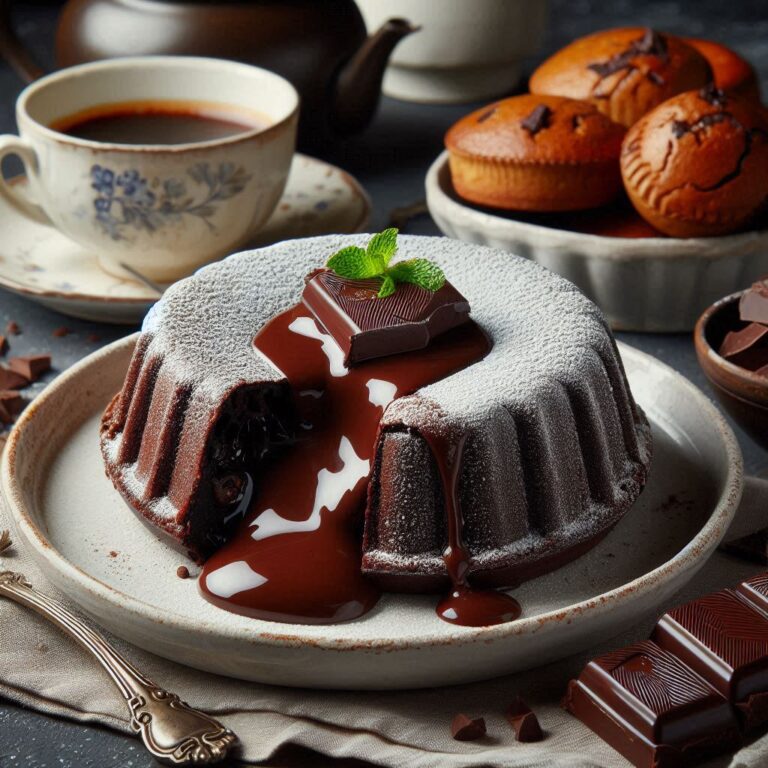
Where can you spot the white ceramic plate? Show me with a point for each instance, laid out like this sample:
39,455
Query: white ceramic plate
642,284
90,545
39,262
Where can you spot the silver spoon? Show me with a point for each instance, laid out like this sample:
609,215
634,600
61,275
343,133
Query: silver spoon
173,732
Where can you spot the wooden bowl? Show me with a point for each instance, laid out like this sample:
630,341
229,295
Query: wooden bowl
742,393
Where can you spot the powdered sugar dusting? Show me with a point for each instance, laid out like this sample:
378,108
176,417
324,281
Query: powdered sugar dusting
536,475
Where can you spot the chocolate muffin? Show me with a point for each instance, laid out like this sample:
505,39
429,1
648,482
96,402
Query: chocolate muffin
624,72
732,73
536,153
697,165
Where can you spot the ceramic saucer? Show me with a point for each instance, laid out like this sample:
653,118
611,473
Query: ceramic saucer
39,262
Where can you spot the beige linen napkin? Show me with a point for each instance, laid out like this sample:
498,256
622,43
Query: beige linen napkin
44,670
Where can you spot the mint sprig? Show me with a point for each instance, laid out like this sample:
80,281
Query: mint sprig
373,261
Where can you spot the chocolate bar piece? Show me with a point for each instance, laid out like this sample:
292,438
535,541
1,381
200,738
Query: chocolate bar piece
31,367
725,640
753,305
365,326
652,708
755,590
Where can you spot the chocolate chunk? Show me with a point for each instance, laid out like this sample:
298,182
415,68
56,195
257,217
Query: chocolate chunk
13,328
724,639
182,572
522,718
464,728
10,379
61,332
12,401
366,327
753,305
31,367
4,347
486,115
537,120
652,708
713,95
747,348
652,43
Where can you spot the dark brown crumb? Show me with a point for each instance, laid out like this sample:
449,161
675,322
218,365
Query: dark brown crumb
112,553
94,338
61,332
182,572
464,728
13,328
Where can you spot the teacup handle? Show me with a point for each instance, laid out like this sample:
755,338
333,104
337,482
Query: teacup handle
15,145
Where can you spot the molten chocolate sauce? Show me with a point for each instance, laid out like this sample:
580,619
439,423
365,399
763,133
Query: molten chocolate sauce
296,556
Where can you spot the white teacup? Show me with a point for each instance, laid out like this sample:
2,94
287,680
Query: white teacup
160,209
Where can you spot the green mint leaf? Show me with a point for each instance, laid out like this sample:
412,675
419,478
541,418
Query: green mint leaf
420,272
355,263
383,246
387,287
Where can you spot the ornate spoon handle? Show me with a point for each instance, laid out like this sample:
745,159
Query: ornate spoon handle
173,732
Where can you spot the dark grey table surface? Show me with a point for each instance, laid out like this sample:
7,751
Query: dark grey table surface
390,160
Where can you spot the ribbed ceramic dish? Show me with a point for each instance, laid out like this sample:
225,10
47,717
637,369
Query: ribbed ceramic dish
642,284
84,538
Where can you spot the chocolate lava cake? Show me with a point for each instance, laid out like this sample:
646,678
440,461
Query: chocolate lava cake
556,449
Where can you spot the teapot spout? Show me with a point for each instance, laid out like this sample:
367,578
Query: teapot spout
358,86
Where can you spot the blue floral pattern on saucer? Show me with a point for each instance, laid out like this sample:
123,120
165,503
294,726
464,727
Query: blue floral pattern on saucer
128,200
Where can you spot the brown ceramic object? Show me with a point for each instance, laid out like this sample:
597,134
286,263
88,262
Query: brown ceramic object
731,72
320,47
536,153
624,72
697,166
742,393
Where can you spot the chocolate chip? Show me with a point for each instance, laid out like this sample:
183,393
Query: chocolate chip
464,728
679,128
182,572
32,367
13,328
652,43
488,113
713,95
522,718
537,120
61,332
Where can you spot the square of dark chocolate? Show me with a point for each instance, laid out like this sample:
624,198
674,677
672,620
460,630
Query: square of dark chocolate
724,639
365,326
652,708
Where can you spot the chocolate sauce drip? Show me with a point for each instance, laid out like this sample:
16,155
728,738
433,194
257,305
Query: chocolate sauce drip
537,120
296,556
652,43
464,605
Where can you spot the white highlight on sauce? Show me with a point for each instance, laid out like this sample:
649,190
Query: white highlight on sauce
233,578
306,326
381,392
331,487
